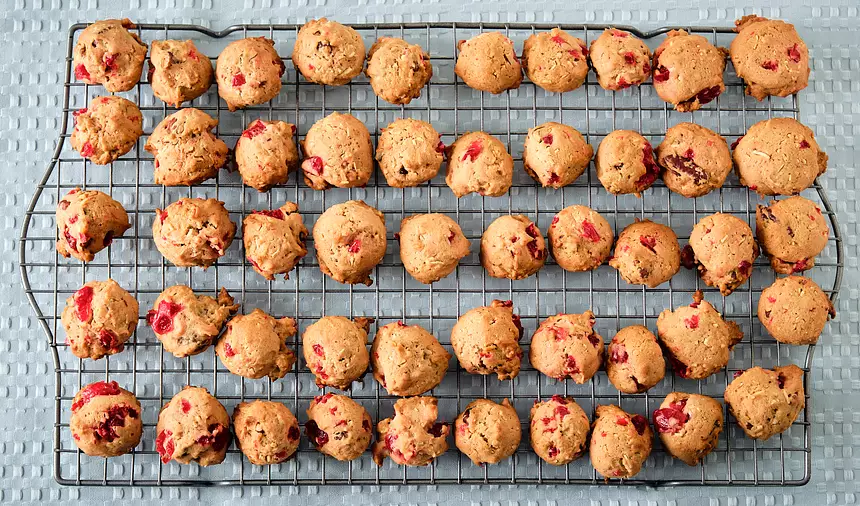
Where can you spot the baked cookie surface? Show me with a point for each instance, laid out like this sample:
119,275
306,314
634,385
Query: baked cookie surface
791,232
266,154
248,72
431,246
107,53
646,253
487,432
689,426
106,129
193,427
193,232
634,361
410,152
337,152
99,318
769,56
350,240
566,346
724,249
512,247
580,239
555,155
397,70
620,60
479,163
766,402
486,340
185,149
688,70
178,71
105,420
187,323
559,430
335,350
327,52
794,310
255,345
625,163
555,60
488,62
413,436
267,432
407,360
695,160
275,240
338,426
87,222
620,442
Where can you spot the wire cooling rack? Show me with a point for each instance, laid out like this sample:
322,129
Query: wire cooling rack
453,108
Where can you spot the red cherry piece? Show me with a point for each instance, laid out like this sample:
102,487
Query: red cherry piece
109,340
561,333
646,67
671,419
794,54
110,62
622,83
589,232
692,322
559,399
254,129
87,150
547,139
313,165
322,399
651,170
708,94
744,268
185,405
440,148
640,423
661,74
315,434
115,417
161,320
558,39
553,452
81,73
620,34
772,300
84,303
238,80
164,445
804,144
318,349
649,242
228,350
274,213
554,220
621,420
770,65
95,390
437,430
355,246
561,411
618,353
472,152
629,58
570,366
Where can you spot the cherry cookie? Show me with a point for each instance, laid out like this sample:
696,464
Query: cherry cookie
248,72
335,350
327,52
695,160
488,62
488,432
555,60
479,163
766,402
689,426
337,153
724,250
186,323
555,155
107,129
412,437
794,310
620,60
193,232
792,232
580,239
558,430
275,240
350,240
255,345
107,53
105,420
770,57
397,70
185,149
625,163
566,346
266,154
407,360
512,247
410,152
486,340
620,442
178,71
431,246
99,318
646,253
267,432
635,360
87,222
338,426
193,427
688,70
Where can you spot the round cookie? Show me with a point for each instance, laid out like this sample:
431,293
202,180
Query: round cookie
193,232
248,72
255,345
178,71
695,160
486,340
778,156
620,60
431,246
766,402
327,52
267,432
99,318
555,60
193,427
646,253
566,346
770,57
410,152
487,432
635,361
478,162
107,129
512,247
792,232
580,239
794,310
555,155
185,323
265,154
488,62
407,360
87,222
625,163
689,426
105,420
275,240
338,152
397,70
108,54
338,426
412,437
724,250
335,349
185,149
620,442
697,338
559,430
350,240
688,70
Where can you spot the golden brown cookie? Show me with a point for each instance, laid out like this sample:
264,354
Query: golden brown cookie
87,222
412,437
99,318
409,152
327,52
193,427
620,442
555,154
625,163
689,426
193,232
488,62
107,129
769,56
266,154
105,420
186,323
794,310
646,253
620,60
407,360
178,71
248,72
724,250
488,432
688,70
486,340
350,240
512,247
431,246
338,426
791,232
558,430
566,346
255,345
580,239
185,149
267,432
478,162
695,160
338,152
635,361
555,60
275,240
335,350
397,70
766,402
107,53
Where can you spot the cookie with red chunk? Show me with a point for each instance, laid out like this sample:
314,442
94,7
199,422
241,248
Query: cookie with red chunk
275,240
193,232
185,149
488,62
338,426
770,57
646,253
486,340
555,155
559,430
267,432
327,52
255,345
488,432
350,240
335,350
792,232
695,160
635,361
620,60
105,420
794,310
625,163
397,70
408,360
555,60
512,247
620,442
106,129
87,222
193,427
724,250
178,71
479,163
413,436
107,53
187,323
688,70
248,72
689,426
338,153
580,239
99,318
266,154
766,402
566,346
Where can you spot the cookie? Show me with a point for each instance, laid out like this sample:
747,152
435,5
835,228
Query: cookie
555,60
186,323
193,427
566,346
107,53
724,250
689,426
579,238
275,240
478,162
625,163
778,156
770,57
350,240
412,437
266,154
512,247
87,222
488,62
688,70
559,430
646,253
792,232
248,72
397,70
620,60
107,129
255,345
335,350
794,310
407,360
487,432
620,442
267,432
486,340
185,149
99,318
695,161
327,52
337,153
410,152
431,246
105,420
338,426
634,361
766,402
193,232
178,71
555,155
697,338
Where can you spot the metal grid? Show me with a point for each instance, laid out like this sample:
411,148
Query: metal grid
453,108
